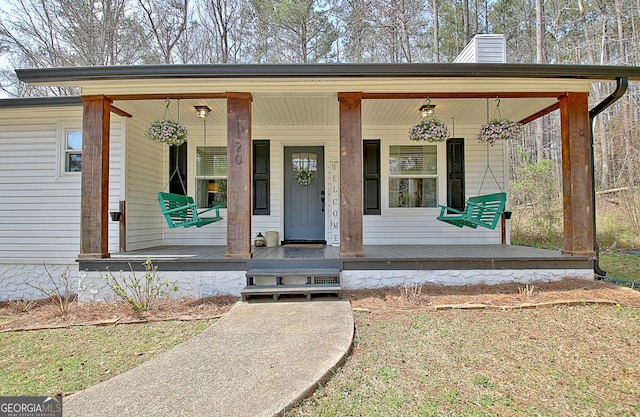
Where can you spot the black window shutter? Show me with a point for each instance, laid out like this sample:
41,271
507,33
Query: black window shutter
371,176
455,173
261,177
178,160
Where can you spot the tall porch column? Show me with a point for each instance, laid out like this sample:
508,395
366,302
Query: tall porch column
351,199
239,175
95,177
577,180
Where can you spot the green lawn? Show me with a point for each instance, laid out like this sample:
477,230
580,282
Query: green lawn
49,362
621,266
578,361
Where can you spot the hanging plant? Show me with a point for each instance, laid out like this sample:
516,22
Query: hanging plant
166,131
304,176
429,130
497,130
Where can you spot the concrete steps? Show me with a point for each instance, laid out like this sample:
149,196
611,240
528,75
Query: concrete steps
277,284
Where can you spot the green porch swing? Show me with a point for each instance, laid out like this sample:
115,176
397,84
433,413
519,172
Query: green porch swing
180,210
481,210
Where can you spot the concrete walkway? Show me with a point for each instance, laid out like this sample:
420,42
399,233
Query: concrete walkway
257,360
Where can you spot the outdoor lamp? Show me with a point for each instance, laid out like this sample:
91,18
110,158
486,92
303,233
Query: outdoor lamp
202,111
427,109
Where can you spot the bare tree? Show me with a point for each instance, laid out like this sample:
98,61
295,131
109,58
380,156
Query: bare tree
436,31
167,22
466,32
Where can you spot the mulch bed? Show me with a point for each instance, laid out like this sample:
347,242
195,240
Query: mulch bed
428,297
567,291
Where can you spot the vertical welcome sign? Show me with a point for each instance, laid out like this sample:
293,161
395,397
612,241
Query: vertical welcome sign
333,204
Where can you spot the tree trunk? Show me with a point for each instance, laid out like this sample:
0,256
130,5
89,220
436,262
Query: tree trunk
436,32
541,57
476,18
541,46
465,21
621,50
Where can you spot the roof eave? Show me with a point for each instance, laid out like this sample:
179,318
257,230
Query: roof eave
212,71
41,102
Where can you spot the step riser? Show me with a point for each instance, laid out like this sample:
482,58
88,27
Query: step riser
279,292
292,277
276,283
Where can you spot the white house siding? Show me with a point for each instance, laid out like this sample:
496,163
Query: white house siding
146,164
39,202
419,225
488,48
393,226
279,137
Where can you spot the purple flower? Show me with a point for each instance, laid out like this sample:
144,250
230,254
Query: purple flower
497,130
166,131
429,130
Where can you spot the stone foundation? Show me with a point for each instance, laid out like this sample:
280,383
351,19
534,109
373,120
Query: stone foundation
193,284
15,280
353,280
92,286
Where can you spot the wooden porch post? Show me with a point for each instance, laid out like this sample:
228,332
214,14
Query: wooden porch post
351,199
577,182
239,175
94,218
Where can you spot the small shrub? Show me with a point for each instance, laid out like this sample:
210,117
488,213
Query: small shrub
527,291
411,293
21,306
61,296
140,292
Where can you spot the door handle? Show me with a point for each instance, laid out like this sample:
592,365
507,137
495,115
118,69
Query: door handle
322,199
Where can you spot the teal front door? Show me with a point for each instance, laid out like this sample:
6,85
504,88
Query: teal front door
304,195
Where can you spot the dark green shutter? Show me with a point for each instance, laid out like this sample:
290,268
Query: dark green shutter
261,177
455,173
371,176
178,159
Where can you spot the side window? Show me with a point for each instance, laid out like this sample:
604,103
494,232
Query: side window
211,176
413,176
72,150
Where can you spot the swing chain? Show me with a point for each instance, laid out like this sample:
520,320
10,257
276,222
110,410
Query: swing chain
488,168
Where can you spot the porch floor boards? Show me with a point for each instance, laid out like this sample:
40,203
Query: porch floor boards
409,257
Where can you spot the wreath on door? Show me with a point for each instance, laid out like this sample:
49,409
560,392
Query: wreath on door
304,176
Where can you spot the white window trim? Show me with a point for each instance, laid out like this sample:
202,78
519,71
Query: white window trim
441,175
63,128
192,186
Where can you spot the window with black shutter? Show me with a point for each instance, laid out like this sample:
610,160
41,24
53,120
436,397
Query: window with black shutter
455,173
261,177
371,176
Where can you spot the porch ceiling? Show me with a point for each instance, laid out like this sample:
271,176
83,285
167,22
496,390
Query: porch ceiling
322,110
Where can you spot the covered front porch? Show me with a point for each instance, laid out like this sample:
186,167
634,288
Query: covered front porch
206,270
486,257
353,106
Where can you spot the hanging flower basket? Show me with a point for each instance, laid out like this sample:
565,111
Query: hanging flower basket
429,130
166,131
304,176
497,130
